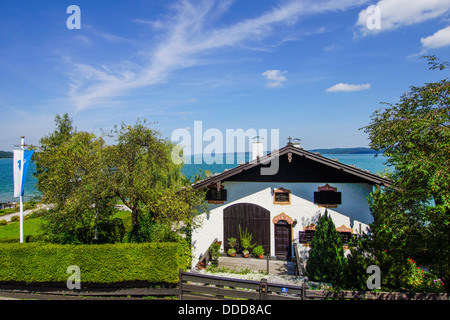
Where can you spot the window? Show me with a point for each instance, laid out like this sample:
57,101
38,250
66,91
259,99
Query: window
307,234
328,197
216,196
281,196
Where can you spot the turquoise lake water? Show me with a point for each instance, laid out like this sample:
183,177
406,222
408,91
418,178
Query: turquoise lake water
362,161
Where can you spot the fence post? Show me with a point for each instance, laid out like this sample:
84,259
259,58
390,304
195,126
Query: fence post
263,289
180,284
304,291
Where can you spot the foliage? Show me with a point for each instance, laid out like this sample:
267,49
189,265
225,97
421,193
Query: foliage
413,215
258,250
232,243
214,250
84,177
420,281
150,231
246,240
107,263
326,260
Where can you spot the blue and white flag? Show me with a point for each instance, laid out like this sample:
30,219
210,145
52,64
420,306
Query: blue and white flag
21,162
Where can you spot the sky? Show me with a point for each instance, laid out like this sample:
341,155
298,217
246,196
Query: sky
312,70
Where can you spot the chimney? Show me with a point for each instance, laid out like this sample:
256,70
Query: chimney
257,148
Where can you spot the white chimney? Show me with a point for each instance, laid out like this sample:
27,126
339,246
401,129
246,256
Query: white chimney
257,148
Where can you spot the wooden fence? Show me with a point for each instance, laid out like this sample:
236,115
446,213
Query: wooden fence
194,286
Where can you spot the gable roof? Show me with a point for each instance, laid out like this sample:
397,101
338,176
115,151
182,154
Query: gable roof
242,171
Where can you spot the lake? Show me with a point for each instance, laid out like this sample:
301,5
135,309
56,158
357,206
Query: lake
362,161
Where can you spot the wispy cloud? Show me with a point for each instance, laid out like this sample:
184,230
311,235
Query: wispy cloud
189,36
394,14
275,77
348,87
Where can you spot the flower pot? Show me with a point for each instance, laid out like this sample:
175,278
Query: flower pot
261,256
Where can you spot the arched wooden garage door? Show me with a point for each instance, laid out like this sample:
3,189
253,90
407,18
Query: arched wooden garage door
251,216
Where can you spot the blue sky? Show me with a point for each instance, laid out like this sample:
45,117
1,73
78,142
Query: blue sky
315,70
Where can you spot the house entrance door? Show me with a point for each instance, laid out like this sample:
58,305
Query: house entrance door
283,239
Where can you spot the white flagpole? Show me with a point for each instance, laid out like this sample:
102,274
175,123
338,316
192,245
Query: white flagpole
21,202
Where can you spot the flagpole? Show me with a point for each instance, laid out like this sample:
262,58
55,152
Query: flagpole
21,202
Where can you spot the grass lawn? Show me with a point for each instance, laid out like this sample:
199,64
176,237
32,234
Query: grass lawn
31,227
11,231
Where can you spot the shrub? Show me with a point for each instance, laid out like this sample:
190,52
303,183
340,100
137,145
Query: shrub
258,250
105,263
3,222
14,218
214,250
326,260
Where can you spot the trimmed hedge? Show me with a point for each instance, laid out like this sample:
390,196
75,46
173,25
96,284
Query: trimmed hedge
103,264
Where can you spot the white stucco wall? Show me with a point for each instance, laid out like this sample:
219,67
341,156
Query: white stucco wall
353,212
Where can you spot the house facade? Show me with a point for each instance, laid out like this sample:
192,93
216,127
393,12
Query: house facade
282,208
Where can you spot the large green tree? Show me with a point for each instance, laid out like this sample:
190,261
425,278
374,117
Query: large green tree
412,217
83,177
73,177
144,177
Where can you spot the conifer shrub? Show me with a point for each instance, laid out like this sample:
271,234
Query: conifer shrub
326,260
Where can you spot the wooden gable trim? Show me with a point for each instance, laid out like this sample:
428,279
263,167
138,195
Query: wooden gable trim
367,176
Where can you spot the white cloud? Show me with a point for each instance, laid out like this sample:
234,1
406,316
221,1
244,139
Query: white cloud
348,87
398,13
439,39
275,78
189,37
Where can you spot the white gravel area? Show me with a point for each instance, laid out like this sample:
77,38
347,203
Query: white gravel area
280,279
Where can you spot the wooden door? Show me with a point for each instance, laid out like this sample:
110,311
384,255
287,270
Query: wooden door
252,217
282,239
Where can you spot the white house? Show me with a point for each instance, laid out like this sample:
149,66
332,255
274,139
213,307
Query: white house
281,208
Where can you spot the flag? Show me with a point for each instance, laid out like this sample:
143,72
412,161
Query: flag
21,162
18,166
26,162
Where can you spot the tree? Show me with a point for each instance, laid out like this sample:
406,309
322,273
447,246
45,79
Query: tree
326,259
412,217
43,158
143,175
76,182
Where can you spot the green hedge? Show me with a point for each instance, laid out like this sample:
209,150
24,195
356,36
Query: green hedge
105,264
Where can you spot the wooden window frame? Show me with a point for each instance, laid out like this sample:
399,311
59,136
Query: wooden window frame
281,191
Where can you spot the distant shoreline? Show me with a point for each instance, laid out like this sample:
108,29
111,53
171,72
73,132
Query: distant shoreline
6,155
358,150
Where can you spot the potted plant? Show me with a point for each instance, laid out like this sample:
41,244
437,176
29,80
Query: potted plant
231,252
246,241
258,251
214,251
232,246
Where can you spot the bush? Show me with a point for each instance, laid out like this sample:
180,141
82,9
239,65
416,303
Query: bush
3,222
105,263
14,218
258,250
326,262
